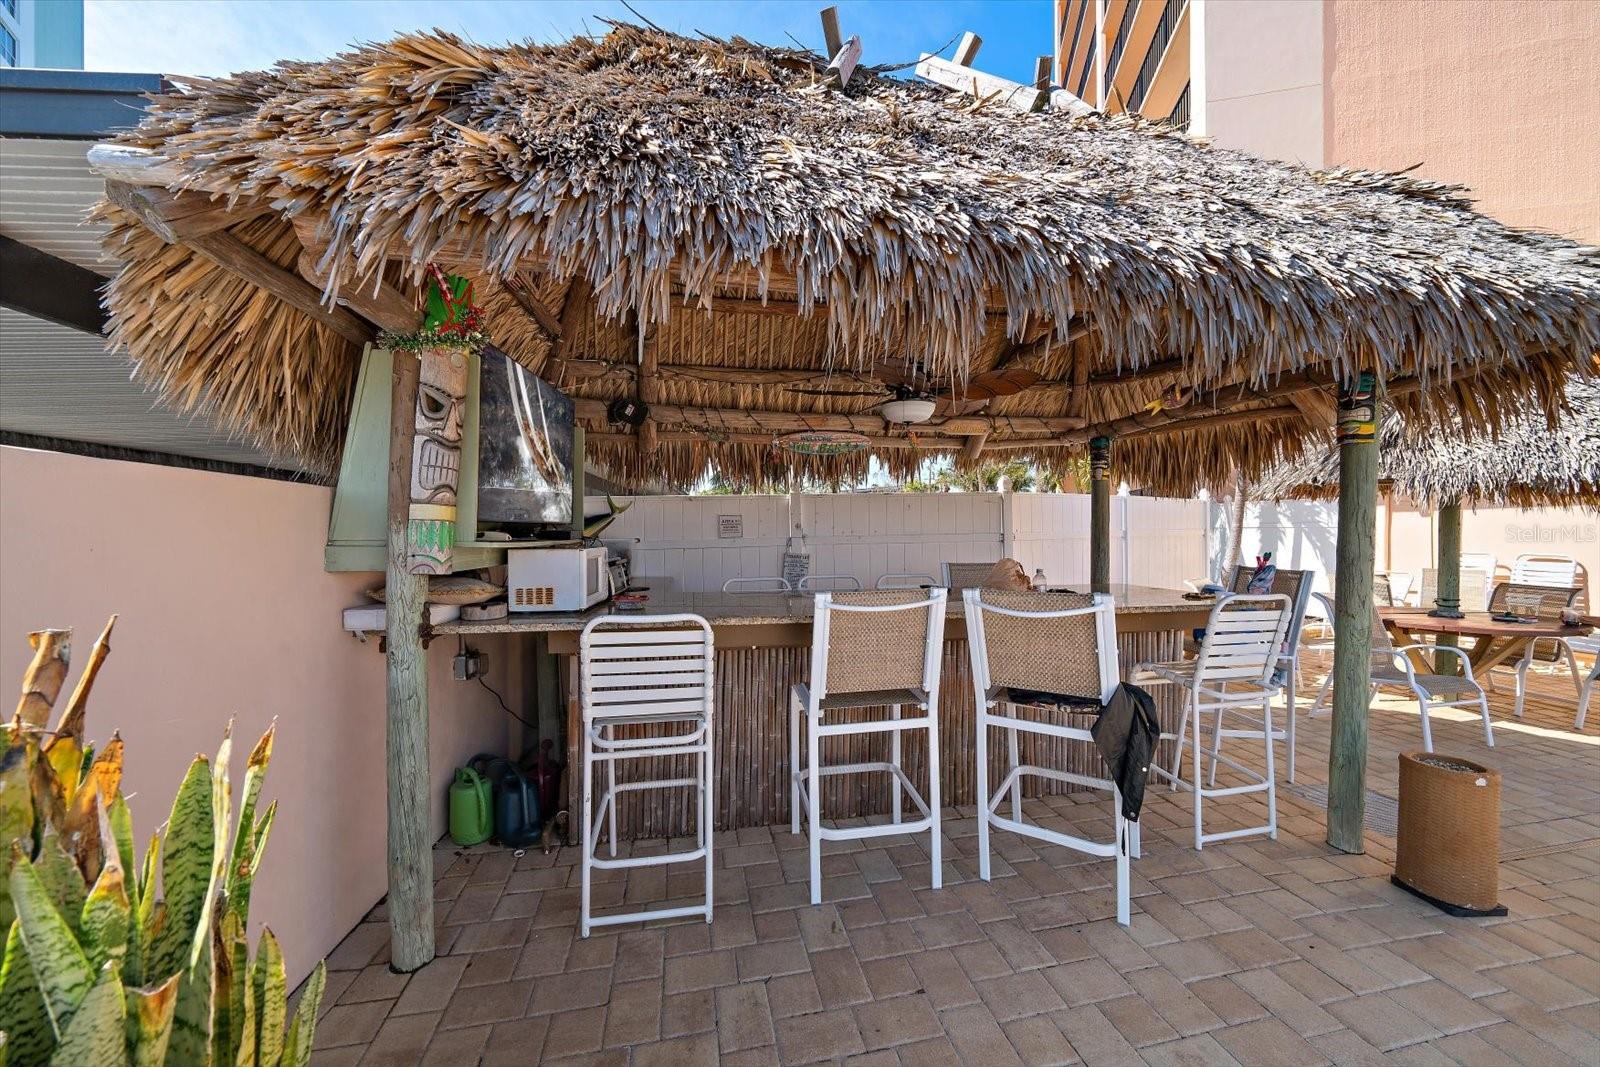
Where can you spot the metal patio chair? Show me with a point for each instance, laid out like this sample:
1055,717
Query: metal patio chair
1243,644
888,644
773,584
838,583
1392,668
654,675
961,576
1038,660
1547,602
906,581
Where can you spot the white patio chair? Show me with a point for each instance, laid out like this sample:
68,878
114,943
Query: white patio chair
1296,585
889,644
1474,587
1243,643
1591,645
906,581
960,576
653,675
757,585
1546,601
1392,668
1531,569
838,583
1038,659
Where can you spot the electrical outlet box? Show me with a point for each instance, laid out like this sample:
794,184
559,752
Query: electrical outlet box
466,665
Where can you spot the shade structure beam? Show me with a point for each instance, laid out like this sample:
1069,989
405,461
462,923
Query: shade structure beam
1100,515
1353,613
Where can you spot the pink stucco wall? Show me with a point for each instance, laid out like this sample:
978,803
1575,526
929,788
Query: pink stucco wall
1498,95
226,612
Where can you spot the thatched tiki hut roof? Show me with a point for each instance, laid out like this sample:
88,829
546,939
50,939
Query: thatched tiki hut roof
1525,464
791,251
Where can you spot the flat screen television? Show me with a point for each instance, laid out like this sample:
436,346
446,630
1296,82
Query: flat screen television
525,449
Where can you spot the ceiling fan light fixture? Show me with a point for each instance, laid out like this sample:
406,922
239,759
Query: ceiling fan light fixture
908,410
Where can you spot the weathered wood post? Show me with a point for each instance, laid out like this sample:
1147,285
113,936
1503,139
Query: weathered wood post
406,730
1447,600
1100,515
1352,602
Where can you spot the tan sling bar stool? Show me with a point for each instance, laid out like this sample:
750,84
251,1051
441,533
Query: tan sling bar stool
869,649
1038,659
655,673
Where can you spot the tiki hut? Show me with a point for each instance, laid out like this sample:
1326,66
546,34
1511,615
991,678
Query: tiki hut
1526,464
727,233
750,243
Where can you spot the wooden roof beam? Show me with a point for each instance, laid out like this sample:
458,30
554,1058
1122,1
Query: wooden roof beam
756,421
242,261
549,323
982,86
377,302
176,217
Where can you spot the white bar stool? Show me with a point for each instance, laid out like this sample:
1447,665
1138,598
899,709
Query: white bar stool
1049,655
653,672
889,643
1244,639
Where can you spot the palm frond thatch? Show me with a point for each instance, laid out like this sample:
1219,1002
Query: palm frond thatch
909,232
1527,463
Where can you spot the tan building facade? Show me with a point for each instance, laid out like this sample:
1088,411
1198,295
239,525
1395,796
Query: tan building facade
1491,94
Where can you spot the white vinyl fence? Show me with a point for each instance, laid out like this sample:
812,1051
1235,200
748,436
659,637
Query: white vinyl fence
694,544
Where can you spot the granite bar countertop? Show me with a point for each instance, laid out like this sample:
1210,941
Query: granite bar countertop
769,609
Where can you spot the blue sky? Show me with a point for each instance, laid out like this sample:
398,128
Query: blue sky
223,36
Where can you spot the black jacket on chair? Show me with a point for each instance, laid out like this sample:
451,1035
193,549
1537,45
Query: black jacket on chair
1126,733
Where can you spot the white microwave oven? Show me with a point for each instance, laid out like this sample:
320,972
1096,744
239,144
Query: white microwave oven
556,579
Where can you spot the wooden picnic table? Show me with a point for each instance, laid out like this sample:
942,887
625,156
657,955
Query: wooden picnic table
1494,642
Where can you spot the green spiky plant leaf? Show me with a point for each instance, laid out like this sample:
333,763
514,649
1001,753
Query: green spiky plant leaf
150,1014
97,1033
271,1000
297,1044
111,959
59,965
23,1017
187,853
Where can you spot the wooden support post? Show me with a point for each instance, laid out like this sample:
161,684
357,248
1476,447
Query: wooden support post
1352,624
1447,603
832,39
647,388
410,843
1043,69
967,50
1100,515
577,483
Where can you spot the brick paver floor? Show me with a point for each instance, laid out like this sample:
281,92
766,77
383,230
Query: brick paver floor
1250,952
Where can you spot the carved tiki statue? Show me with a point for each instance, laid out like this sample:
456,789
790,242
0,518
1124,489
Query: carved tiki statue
436,460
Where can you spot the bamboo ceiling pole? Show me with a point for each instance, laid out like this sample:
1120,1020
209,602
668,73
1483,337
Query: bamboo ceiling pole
1100,515
406,730
1447,602
1353,612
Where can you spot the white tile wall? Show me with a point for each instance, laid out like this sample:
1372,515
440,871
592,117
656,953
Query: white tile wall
673,540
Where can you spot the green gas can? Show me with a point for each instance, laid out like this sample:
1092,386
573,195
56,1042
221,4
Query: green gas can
471,809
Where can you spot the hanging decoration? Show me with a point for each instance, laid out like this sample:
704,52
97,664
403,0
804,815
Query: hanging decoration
823,442
451,331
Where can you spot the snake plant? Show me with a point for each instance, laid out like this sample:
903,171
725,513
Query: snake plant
113,959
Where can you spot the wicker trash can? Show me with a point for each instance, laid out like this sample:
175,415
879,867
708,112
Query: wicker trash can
1448,848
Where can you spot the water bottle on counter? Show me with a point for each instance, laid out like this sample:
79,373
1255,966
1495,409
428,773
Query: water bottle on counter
1040,583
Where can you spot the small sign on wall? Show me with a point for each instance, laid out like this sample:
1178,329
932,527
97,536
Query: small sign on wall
730,527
